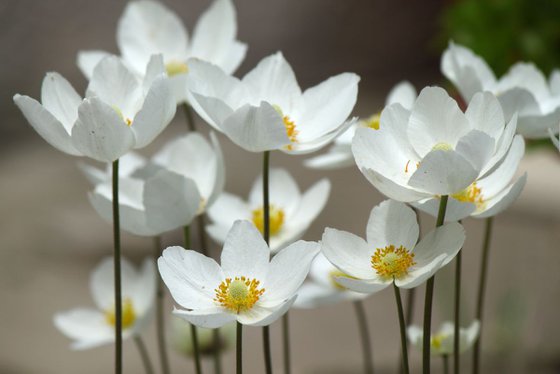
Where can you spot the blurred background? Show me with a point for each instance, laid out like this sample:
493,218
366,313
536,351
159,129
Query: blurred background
51,238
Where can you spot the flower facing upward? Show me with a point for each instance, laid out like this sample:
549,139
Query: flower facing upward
442,341
89,328
266,110
390,253
247,287
291,212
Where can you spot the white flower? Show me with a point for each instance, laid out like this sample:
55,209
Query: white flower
390,252
266,110
487,196
120,112
89,327
322,288
340,154
523,89
291,213
248,287
149,27
442,342
434,149
182,339
182,180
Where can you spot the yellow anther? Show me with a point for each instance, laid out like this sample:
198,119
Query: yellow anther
276,219
128,315
175,67
126,120
290,126
471,194
238,294
373,121
442,146
391,262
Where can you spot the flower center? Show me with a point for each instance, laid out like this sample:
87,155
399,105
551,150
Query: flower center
436,341
128,314
126,120
372,121
276,219
239,294
442,146
391,262
175,67
471,194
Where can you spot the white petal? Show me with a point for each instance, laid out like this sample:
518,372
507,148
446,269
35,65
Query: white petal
348,252
536,126
502,146
415,335
154,70
234,56
227,209
419,275
392,190
527,76
455,210
300,147
403,93
392,223
86,326
485,114
332,159
260,316
283,191
210,318
87,60
311,204
504,199
363,285
447,239
60,99
145,287
477,147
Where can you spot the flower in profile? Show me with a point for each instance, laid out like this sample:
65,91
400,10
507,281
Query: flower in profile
434,149
339,155
92,327
322,288
523,89
120,111
291,212
392,252
248,287
442,342
266,110
181,338
148,27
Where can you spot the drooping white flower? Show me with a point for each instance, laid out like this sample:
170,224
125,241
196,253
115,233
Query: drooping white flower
181,338
523,89
92,327
340,154
266,110
148,27
442,342
166,193
120,112
248,287
322,288
291,212
434,149
391,253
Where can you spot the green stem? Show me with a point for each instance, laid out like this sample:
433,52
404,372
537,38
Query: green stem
364,335
266,234
456,353
144,355
202,235
429,298
481,289
160,320
239,349
189,116
445,364
194,334
117,270
286,343
217,351
402,325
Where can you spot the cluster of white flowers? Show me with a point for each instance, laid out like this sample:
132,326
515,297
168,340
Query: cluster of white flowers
421,150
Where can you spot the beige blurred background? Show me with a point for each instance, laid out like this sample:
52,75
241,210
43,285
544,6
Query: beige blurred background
51,238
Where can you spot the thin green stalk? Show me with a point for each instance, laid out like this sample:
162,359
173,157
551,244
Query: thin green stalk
456,353
239,349
445,359
144,355
402,325
364,335
481,289
160,320
429,298
189,116
217,351
286,343
194,335
117,270
266,234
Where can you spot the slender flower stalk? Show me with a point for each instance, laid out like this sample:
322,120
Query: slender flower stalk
117,270
190,117
286,343
456,352
445,359
239,349
194,335
429,297
402,324
160,320
144,355
266,234
481,289
364,335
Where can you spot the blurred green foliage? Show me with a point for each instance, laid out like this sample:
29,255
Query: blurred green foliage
506,31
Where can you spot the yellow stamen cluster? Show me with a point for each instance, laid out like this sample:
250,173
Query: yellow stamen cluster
239,294
391,262
436,340
373,121
128,314
471,194
175,67
290,129
276,219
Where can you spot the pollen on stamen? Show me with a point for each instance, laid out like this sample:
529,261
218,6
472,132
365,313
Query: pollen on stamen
128,314
471,194
290,126
175,67
276,219
238,294
391,262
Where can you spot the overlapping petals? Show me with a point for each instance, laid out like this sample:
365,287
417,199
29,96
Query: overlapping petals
442,340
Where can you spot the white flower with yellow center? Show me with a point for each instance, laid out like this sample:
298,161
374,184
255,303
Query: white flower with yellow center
442,341
92,327
523,89
322,287
291,212
434,149
340,154
181,338
266,110
148,27
120,111
248,287
390,253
